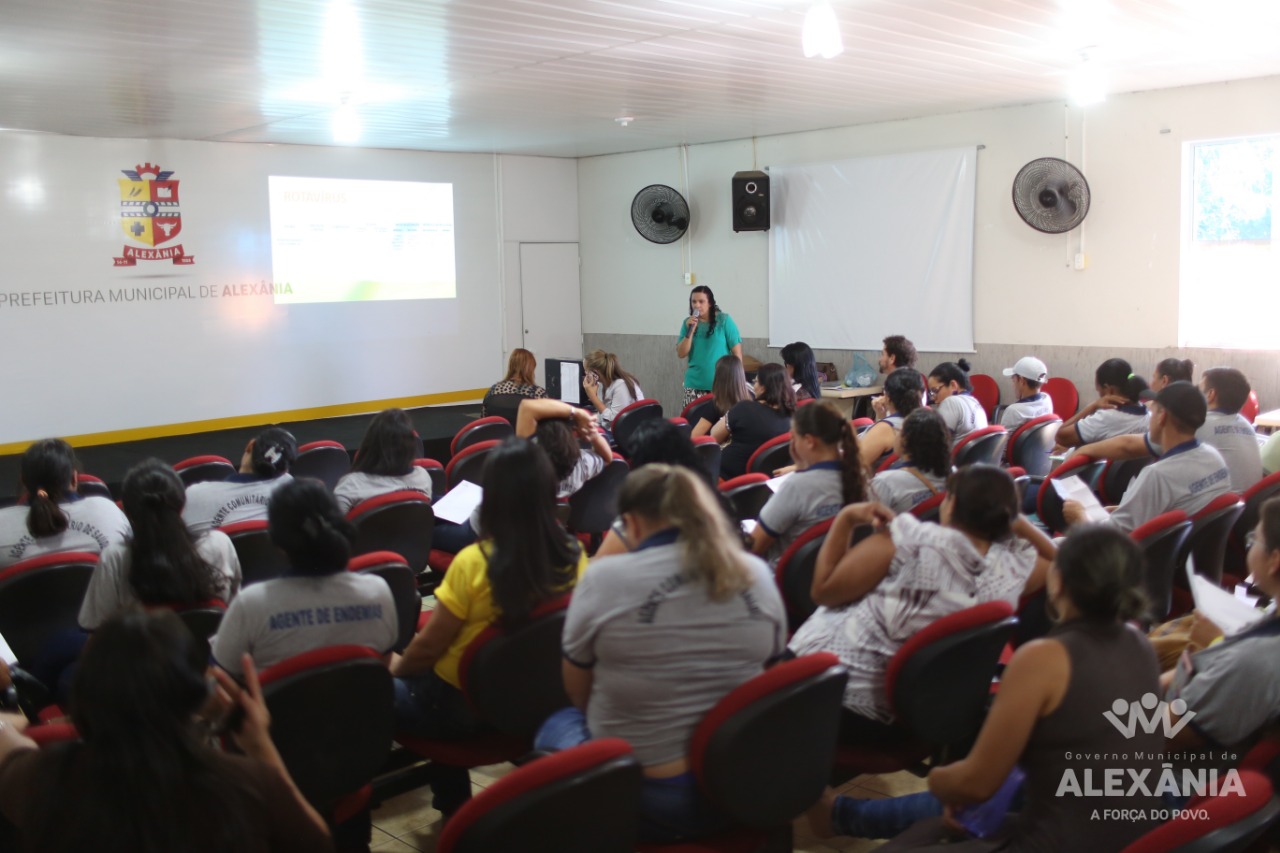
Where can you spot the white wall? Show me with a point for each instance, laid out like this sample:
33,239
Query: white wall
1025,289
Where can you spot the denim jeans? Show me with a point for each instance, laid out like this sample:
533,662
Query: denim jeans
671,809
450,537
429,707
884,818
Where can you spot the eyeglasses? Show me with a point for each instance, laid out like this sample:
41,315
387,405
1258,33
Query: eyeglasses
933,392
620,530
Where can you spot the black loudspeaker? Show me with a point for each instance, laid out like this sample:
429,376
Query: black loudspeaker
750,201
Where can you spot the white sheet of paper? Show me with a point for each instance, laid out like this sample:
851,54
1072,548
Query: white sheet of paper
570,381
6,653
1219,606
775,483
456,506
1075,489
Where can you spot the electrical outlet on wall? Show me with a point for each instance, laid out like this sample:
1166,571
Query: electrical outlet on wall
690,278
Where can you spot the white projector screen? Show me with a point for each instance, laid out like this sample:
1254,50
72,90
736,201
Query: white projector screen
864,248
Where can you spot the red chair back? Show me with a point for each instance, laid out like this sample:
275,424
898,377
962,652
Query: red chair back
748,494
468,464
492,428
626,421
581,800
1066,399
987,392
595,506
861,425
1250,407
201,469
1116,477
1048,504
887,461
1031,443
762,754
1254,497
88,485
331,719
794,573
930,509
1161,540
400,522
770,456
260,559
326,461
981,446
436,472
693,404
1206,545
41,597
1227,822
393,569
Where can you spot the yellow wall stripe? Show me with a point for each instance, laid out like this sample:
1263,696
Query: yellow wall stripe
166,430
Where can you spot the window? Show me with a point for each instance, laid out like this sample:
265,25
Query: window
1230,290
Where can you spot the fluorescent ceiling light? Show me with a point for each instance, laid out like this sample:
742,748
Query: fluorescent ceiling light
1087,84
346,125
821,35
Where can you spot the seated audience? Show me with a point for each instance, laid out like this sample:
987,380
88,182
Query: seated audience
56,519
143,776
903,392
264,467
524,557
924,462
982,551
1117,411
898,352
655,637
161,564
384,462
802,370
318,603
727,389
828,475
751,423
1030,402
519,381
560,429
1050,720
1189,473
1172,370
951,394
609,388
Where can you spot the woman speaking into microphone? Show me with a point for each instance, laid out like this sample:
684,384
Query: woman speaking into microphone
707,335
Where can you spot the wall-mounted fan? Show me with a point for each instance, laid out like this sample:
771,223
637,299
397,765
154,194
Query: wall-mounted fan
660,214
1051,195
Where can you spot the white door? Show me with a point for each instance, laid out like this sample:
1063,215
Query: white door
551,301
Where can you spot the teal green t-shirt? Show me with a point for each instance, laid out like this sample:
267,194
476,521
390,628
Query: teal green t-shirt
708,348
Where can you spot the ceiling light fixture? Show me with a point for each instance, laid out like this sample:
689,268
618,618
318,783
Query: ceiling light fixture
1087,84
821,35
346,122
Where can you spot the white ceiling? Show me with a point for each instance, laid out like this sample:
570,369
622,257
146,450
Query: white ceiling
550,76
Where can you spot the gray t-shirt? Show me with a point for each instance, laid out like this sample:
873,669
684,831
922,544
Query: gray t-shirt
589,464
806,498
616,398
110,591
280,618
358,486
241,497
662,652
962,413
1019,412
901,490
1188,478
93,523
1108,423
1234,437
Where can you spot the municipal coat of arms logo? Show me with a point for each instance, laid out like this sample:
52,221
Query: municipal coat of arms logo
149,216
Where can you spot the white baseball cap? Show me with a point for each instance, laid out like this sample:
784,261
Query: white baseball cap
1029,367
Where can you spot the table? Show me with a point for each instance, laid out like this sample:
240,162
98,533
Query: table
851,400
1267,422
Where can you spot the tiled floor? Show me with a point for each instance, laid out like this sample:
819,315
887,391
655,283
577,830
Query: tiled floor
407,823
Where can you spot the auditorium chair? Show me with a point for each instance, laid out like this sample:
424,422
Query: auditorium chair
1031,444
326,461
884,463
1049,504
393,569
88,485
930,509
492,428
939,685
468,464
593,508
1250,407
1254,497
260,559
794,573
436,472
861,425
770,456
762,754
1225,823
582,800
979,447
1066,399
505,406
1161,540
626,421
708,450
748,494
987,392
1206,544
1116,477
200,469
400,522
40,599
203,618
701,408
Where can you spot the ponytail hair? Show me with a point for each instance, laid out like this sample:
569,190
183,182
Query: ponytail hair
1176,369
824,422
905,388
1117,373
1101,571
606,364
47,472
953,371
304,521
710,550
164,566
274,450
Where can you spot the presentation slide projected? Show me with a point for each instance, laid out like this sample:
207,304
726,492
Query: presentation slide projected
335,240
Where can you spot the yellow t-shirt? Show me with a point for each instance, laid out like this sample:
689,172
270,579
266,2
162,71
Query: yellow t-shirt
466,593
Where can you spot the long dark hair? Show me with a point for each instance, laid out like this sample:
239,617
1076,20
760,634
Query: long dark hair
274,450
905,388
986,501
804,368
47,471
558,440
146,776
1117,373
532,557
164,566
777,393
304,521
1101,571
388,445
926,443
713,310
824,422
953,371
